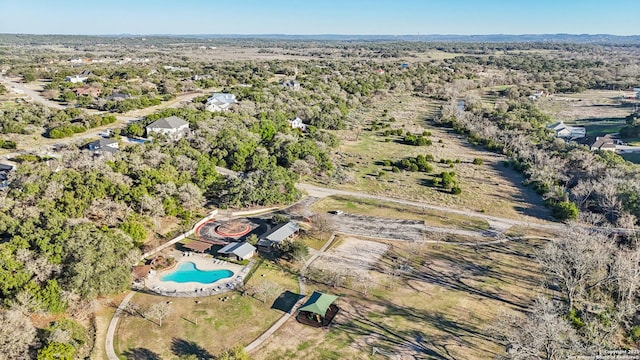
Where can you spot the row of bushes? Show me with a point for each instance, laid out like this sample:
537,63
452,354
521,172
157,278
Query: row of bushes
68,130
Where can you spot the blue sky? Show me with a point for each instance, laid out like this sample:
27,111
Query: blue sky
397,17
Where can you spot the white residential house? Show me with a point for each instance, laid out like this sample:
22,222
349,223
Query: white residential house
536,95
173,127
78,78
292,85
220,102
297,124
103,146
568,132
606,143
5,169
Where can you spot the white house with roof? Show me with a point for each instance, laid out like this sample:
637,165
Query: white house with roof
292,85
172,127
277,235
78,78
103,146
220,102
5,169
297,124
567,132
241,251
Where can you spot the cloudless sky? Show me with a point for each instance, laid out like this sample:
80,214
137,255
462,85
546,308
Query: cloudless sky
376,17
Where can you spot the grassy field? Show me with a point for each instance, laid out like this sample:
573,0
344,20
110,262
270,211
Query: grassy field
392,210
202,326
489,188
442,308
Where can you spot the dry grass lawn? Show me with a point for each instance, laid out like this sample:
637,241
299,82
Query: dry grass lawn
220,324
490,187
442,308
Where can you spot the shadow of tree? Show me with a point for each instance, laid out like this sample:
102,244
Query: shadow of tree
420,344
182,347
141,354
462,271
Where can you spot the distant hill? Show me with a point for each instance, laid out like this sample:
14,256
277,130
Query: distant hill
564,38
6,39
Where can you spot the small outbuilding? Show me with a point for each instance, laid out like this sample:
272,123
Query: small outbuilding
198,246
241,251
319,310
277,235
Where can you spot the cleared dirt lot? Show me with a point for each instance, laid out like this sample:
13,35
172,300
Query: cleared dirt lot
352,255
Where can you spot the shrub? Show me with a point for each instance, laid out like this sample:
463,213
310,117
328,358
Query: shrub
8,144
395,169
575,319
564,210
278,219
478,161
456,190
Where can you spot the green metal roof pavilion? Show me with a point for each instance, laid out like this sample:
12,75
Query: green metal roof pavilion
318,303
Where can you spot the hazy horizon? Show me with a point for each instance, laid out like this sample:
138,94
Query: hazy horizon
329,17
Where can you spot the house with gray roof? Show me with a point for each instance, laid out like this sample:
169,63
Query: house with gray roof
242,251
5,169
292,85
220,102
103,146
277,235
172,127
78,78
564,131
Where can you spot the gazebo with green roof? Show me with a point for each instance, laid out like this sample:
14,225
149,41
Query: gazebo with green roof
319,310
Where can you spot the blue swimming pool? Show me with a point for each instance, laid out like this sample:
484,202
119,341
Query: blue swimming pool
187,272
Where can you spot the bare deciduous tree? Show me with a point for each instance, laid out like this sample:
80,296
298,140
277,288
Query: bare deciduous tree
159,311
576,261
17,335
191,197
542,334
264,290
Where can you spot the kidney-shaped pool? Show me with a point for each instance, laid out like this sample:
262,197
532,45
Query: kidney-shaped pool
187,272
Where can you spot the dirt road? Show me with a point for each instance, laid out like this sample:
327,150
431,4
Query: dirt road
496,223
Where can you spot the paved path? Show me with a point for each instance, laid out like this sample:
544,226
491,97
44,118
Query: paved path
113,325
303,291
34,95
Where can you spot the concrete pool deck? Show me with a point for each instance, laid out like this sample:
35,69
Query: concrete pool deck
196,289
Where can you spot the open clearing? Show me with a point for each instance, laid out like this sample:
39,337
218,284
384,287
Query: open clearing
201,326
601,112
490,187
442,306
386,209
351,256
